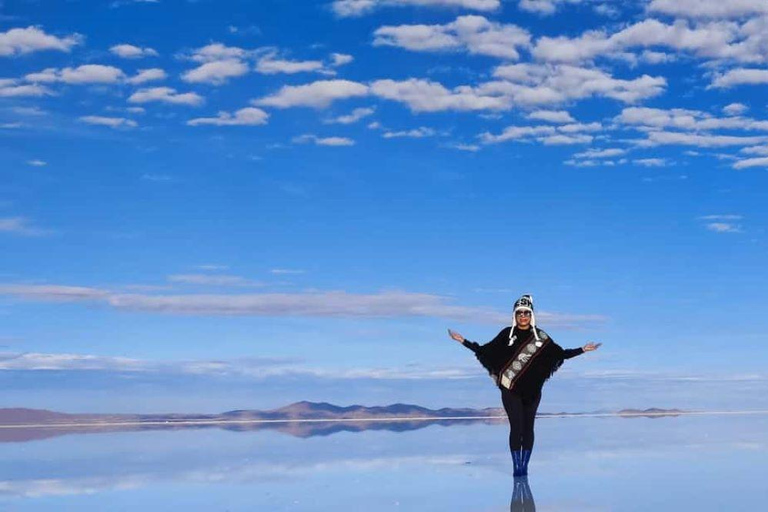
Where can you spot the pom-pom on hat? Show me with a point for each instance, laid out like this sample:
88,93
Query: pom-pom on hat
524,303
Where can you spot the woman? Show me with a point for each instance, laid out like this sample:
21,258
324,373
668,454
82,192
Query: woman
520,359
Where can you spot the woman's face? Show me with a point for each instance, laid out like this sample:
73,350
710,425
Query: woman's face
523,319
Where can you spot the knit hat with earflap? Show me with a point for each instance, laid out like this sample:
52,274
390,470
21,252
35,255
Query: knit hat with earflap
524,303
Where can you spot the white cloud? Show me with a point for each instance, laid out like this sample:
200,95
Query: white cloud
546,7
472,148
52,293
546,134
216,52
717,41
129,51
686,120
650,162
218,64
752,42
651,57
252,367
37,163
580,127
216,72
585,162
723,227
517,133
340,59
473,34
416,133
751,162
735,109
537,84
696,125
39,361
28,111
703,40
284,271
356,115
165,95
112,122
14,89
323,141
270,65
660,118
309,304
552,116
85,74
697,139
21,41
318,94
46,75
522,84
147,75
601,153
213,280
729,216
249,116
73,362
91,74
756,150
561,139
427,96
252,30
740,76
709,8
19,226
349,8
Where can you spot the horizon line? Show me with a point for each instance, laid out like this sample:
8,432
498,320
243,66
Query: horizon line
169,423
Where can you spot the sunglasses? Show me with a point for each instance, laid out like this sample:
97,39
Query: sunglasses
523,313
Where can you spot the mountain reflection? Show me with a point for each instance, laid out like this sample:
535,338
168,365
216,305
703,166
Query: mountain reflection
300,429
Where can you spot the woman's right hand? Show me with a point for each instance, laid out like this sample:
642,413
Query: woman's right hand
456,336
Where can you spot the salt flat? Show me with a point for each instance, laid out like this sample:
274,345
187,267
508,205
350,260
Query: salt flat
701,462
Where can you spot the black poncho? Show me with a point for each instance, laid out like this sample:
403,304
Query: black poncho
496,353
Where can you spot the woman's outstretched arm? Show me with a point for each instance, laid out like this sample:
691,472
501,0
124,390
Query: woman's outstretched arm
471,345
481,351
476,347
573,352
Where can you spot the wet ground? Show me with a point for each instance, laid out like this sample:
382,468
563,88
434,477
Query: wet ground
698,463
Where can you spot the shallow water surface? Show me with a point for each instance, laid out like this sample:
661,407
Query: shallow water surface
704,462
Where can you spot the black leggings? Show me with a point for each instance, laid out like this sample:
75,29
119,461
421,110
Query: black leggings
521,413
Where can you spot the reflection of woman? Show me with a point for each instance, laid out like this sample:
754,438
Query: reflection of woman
520,359
522,497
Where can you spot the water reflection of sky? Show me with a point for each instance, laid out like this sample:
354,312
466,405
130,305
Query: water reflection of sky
694,462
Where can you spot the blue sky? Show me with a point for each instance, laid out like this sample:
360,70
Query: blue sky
210,205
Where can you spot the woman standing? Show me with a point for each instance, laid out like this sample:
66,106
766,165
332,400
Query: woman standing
520,359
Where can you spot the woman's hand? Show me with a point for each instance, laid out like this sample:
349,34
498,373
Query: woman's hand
589,347
456,336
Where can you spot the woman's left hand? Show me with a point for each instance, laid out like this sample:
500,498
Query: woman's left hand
589,347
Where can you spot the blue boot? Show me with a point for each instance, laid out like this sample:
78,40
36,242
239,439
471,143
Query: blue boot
525,457
517,460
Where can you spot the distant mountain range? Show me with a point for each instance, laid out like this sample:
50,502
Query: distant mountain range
301,419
